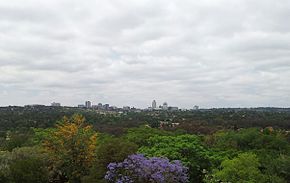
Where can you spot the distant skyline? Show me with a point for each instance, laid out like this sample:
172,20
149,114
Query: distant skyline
128,53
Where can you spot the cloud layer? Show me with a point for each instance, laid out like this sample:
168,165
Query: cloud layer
126,52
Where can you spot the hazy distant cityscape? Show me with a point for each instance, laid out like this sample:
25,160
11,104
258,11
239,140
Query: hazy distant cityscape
107,107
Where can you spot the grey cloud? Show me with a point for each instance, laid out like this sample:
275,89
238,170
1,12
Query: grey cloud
211,53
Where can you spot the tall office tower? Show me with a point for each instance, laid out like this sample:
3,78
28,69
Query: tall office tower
165,106
88,104
154,105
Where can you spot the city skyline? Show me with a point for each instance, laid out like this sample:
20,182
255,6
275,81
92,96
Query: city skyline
206,53
163,106
148,104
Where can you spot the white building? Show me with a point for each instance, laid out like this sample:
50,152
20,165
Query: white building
88,104
165,106
154,105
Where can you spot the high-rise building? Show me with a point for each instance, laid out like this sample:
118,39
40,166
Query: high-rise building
165,106
88,104
154,105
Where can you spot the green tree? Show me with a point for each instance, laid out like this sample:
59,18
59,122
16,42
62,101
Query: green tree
140,135
242,169
110,150
275,165
28,170
16,138
25,165
249,139
5,159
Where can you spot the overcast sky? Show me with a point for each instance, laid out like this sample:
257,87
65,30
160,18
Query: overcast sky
211,53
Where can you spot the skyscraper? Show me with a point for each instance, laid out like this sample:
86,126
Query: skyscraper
154,105
88,104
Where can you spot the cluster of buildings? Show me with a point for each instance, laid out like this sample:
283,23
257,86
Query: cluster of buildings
55,104
99,106
107,107
164,107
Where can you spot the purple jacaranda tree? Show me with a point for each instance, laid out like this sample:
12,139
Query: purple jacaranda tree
137,169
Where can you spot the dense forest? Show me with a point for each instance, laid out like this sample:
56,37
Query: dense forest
63,144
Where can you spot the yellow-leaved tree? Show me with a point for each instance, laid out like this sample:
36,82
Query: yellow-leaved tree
72,149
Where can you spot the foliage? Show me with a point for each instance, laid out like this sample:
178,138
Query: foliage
242,169
13,117
41,134
137,168
249,139
187,148
275,165
16,138
73,154
269,147
140,135
5,159
72,147
28,170
25,165
110,150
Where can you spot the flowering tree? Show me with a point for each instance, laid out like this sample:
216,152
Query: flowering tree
72,147
137,169
186,148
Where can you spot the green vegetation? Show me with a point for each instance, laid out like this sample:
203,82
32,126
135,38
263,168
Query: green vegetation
242,169
41,145
187,148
